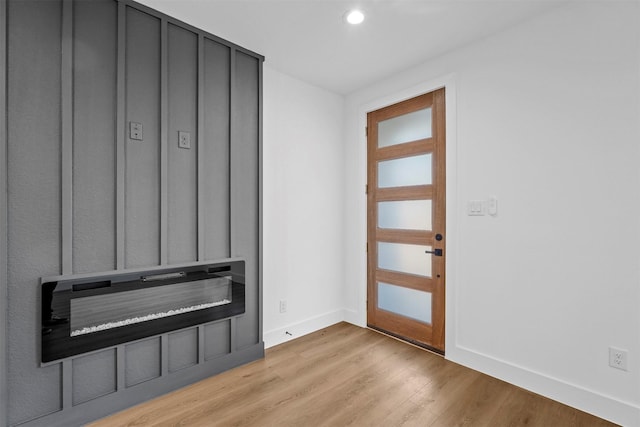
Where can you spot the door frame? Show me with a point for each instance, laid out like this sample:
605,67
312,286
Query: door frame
449,83
429,334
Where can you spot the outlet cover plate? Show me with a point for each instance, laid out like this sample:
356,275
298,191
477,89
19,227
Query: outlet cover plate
184,139
135,131
618,358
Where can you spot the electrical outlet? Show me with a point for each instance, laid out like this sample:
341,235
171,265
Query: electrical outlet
135,131
618,358
283,306
184,139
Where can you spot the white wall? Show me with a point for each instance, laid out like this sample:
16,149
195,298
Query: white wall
303,194
545,117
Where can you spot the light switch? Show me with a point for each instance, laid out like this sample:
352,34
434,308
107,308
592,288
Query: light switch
184,139
135,131
476,208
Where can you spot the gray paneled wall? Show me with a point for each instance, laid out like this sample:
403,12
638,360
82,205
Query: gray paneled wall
84,197
213,163
182,197
94,150
3,215
34,202
142,158
244,186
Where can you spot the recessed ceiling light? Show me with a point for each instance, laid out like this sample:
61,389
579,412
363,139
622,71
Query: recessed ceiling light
354,17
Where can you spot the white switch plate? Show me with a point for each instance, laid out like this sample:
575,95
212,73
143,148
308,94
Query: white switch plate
184,139
476,207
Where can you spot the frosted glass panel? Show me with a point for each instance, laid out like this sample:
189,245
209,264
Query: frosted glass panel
414,170
404,301
404,258
405,214
405,128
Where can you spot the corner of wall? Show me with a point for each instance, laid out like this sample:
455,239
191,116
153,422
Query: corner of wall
304,224
301,328
354,317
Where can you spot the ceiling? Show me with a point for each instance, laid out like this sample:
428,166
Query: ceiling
309,40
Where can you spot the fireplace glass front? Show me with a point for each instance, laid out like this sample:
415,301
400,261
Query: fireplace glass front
101,312
80,315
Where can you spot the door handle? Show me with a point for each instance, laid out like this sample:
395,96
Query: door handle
436,252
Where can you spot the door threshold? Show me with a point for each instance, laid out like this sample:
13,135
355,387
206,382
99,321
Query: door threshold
409,341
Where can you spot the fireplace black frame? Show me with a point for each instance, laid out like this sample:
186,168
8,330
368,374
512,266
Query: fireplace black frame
58,292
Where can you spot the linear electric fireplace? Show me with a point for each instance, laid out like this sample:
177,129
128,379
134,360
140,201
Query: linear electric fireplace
86,313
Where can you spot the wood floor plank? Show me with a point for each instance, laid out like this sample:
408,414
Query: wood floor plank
477,406
349,376
521,408
373,396
314,388
410,414
449,382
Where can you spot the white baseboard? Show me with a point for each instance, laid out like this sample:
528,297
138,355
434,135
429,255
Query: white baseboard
608,408
304,327
355,318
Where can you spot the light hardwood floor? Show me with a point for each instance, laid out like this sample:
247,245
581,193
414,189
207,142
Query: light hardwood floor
348,376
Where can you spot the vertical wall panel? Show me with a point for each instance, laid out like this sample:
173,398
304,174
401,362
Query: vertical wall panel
94,375
121,140
216,339
164,149
183,349
182,238
245,189
142,202
94,111
34,197
142,361
215,150
66,127
3,215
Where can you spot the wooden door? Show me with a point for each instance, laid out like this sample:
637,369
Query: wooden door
406,220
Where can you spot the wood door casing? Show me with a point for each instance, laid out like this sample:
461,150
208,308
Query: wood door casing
426,334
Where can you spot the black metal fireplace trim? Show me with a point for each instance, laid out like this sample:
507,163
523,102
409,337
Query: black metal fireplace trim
57,343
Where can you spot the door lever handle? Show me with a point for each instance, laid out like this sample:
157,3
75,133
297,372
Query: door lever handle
436,252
